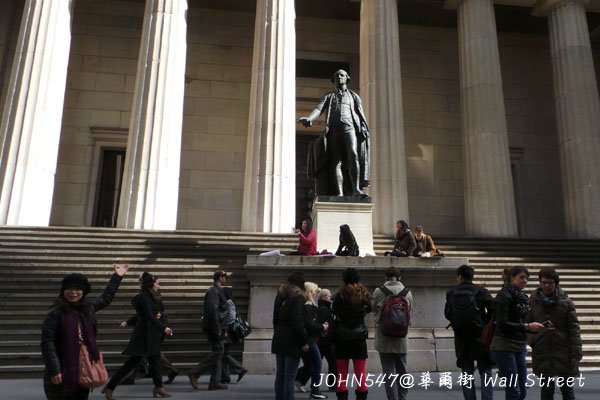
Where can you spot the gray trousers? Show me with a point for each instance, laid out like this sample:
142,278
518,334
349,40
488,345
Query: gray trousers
212,363
394,363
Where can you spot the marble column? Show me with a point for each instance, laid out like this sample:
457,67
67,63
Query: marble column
381,91
489,195
577,114
270,178
32,116
150,186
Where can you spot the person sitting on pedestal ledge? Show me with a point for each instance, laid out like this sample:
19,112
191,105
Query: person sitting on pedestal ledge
425,245
308,239
348,245
405,243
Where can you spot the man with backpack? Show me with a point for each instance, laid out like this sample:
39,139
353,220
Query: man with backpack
469,308
392,304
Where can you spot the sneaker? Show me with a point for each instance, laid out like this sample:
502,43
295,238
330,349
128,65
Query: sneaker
318,396
299,386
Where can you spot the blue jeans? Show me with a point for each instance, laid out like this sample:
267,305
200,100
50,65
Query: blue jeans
312,367
512,366
284,376
487,391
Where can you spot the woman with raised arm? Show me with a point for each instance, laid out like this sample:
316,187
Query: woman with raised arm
71,313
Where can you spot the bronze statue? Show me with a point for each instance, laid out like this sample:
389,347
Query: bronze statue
345,140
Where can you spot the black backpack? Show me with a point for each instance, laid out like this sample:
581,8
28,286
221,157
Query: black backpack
464,314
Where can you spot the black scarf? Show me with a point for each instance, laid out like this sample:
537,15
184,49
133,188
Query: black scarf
547,300
520,299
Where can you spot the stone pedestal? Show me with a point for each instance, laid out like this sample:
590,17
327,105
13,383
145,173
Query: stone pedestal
431,346
329,212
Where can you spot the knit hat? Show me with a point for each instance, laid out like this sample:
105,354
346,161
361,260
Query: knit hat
78,281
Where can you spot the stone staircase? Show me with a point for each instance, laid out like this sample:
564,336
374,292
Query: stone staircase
34,260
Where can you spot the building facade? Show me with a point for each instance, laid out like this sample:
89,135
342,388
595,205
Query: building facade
181,114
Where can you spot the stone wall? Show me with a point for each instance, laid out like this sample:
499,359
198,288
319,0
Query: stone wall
100,83
215,120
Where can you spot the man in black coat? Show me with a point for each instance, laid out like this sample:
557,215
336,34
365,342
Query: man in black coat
467,334
215,308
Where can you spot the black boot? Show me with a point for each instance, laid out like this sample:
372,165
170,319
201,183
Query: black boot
361,395
342,395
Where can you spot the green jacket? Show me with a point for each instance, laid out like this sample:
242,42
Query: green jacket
553,349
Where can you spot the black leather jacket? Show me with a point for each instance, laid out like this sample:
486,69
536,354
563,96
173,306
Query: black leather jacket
51,331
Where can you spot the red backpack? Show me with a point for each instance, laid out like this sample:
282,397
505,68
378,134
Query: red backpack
394,319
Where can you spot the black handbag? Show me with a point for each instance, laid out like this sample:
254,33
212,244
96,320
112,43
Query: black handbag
239,329
343,333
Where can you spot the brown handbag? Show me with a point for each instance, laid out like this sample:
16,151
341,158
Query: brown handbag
92,374
488,332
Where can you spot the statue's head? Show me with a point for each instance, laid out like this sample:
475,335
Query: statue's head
340,77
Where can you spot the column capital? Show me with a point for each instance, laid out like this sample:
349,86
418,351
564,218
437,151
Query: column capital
543,7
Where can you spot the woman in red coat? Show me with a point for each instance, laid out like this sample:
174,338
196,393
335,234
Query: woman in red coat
308,239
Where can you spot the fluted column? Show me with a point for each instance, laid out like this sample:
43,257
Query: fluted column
150,186
31,120
381,91
270,178
489,195
577,114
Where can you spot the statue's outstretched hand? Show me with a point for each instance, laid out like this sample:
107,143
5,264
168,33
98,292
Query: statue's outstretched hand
305,121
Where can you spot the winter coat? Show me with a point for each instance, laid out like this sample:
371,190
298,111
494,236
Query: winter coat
347,246
553,349
471,348
425,244
383,343
289,333
510,329
406,243
350,317
325,314
308,244
148,330
51,343
314,328
215,311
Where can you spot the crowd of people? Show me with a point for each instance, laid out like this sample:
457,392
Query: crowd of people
311,325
